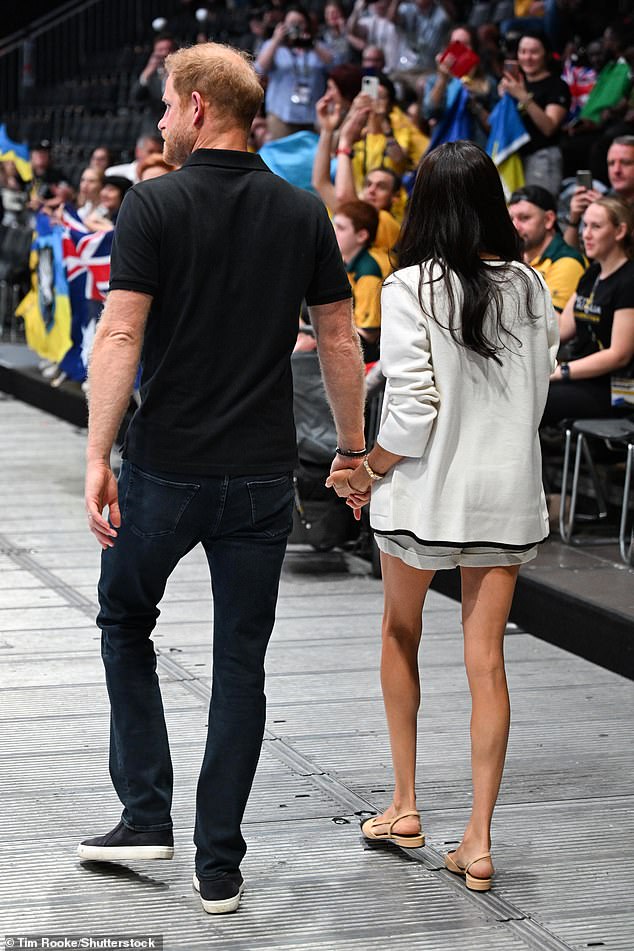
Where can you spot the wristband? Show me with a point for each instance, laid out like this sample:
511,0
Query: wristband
351,453
343,151
564,369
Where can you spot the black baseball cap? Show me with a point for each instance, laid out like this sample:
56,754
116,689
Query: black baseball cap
118,181
536,195
42,145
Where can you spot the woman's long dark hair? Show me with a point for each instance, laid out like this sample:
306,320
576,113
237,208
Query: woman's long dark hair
457,212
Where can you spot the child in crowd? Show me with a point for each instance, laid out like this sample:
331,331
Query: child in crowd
355,226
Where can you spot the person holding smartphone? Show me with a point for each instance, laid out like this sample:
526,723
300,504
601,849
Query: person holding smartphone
543,100
621,177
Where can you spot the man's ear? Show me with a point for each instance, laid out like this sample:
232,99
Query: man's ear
363,237
550,219
198,105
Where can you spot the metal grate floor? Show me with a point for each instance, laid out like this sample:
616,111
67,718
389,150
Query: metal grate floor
563,831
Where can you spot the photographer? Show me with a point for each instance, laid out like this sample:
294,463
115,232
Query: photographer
294,65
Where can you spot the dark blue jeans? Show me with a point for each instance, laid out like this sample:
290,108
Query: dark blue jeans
243,523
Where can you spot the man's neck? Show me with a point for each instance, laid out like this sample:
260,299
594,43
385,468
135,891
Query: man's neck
627,197
531,254
232,139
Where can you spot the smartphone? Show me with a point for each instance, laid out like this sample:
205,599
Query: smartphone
512,67
370,86
584,178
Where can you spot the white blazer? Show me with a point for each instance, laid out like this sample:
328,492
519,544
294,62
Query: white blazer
466,424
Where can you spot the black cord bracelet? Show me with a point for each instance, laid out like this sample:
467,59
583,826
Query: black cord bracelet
351,453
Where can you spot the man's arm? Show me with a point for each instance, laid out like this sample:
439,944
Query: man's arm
343,373
113,366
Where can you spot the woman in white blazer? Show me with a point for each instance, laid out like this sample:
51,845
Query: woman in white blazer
468,342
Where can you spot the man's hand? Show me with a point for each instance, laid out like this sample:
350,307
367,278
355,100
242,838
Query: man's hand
580,201
101,491
344,462
339,481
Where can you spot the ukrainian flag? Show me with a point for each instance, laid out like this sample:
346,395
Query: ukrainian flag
11,151
46,308
506,138
455,124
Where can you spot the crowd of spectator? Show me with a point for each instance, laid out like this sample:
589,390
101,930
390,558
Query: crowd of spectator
364,91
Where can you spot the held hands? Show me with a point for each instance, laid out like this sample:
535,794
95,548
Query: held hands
101,491
339,480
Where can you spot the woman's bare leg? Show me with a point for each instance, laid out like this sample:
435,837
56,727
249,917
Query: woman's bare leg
487,594
405,591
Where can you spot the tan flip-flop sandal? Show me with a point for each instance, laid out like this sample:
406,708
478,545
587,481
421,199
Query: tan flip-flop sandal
370,829
472,882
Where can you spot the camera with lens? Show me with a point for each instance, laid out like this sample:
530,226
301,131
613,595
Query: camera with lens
296,36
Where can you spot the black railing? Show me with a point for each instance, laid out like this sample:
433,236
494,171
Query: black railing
68,43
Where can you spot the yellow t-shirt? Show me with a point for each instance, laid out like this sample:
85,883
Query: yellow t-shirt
387,233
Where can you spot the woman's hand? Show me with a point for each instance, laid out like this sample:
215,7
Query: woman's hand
443,68
339,480
354,123
514,86
328,113
279,33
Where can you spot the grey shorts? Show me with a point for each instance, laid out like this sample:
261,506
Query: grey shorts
437,557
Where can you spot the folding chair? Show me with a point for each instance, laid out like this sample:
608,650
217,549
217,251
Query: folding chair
617,435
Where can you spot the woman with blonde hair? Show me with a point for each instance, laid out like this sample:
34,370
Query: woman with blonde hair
90,185
598,320
469,337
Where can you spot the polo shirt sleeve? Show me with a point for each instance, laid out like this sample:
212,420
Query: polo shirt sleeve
135,261
562,278
329,282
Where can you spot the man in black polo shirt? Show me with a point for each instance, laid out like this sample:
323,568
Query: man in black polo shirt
209,267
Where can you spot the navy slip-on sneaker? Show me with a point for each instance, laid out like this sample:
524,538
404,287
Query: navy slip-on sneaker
122,844
220,895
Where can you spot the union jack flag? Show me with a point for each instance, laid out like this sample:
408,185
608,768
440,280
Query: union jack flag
89,254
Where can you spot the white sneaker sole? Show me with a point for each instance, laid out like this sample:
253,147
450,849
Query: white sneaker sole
124,853
218,907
